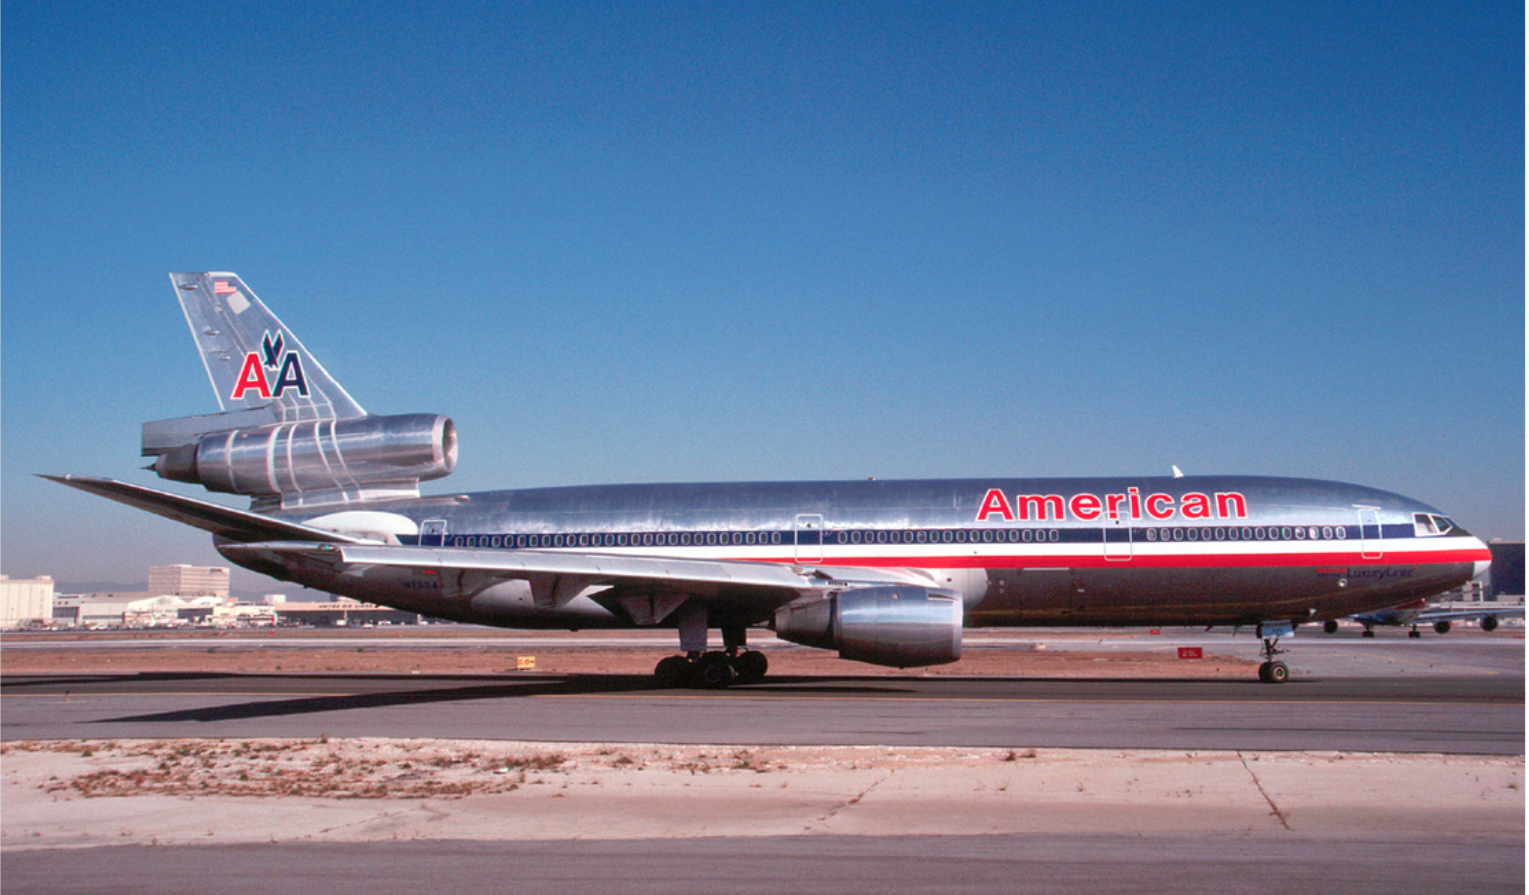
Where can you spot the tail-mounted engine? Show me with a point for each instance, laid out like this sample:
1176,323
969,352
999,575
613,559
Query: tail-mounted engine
903,627
316,462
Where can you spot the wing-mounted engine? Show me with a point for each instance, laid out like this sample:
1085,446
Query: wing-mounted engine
310,463
903,626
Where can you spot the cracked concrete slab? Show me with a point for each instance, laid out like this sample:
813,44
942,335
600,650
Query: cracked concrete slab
83,794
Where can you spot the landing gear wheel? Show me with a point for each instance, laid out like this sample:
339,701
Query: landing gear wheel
1368,633
672,672
751,666
713,671
1271,671
1274,672
1414,633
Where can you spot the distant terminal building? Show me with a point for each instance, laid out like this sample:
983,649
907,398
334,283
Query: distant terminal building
26,601
95,610
344,612
188,581
1507,569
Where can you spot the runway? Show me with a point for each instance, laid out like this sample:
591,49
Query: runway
1360,822
1150,865
1462,695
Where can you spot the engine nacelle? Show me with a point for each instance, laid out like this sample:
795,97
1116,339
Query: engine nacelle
899,626
290,460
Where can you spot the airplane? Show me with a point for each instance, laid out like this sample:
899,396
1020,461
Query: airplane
885,572
1418,612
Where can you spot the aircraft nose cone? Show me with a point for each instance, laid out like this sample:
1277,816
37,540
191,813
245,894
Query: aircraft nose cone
1484,564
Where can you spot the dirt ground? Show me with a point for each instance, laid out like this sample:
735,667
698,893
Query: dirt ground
472,651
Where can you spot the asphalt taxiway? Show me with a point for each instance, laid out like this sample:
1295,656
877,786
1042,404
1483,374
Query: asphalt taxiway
1463,694
1385,765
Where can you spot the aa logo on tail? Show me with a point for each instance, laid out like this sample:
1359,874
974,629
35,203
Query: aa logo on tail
289,367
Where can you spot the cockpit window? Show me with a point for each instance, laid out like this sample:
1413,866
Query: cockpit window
1428,525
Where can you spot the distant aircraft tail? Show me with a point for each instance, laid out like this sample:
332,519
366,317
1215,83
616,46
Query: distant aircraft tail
289,435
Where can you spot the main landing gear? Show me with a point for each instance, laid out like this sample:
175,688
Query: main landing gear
712,670
706,669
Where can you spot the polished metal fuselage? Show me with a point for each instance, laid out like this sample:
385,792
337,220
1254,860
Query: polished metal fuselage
1089,551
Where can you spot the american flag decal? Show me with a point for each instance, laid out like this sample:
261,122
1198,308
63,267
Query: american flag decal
221,287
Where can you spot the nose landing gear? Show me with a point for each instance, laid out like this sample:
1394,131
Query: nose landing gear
1272,671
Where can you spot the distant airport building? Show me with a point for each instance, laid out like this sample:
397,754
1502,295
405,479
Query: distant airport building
344,612
188,581
26,601
95,610
1507,569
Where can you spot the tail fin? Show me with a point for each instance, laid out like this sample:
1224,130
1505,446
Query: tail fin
259,370
251,358
289,436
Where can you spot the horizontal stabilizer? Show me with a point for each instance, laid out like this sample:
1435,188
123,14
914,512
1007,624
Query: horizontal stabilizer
238,525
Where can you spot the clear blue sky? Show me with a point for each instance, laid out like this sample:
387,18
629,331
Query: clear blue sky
688,242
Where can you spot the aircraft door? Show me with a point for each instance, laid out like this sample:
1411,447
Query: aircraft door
1369,534
432,533
809,537
1117,540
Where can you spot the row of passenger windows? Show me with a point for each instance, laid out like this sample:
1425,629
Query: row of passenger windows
920,536
947,536
1245,533
645,539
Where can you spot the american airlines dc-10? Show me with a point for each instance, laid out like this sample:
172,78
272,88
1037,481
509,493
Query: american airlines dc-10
885,572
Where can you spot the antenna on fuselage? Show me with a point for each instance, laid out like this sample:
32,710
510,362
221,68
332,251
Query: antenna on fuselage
1178,473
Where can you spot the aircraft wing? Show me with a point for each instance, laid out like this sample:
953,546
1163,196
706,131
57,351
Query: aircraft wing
1443,615
648,587
555,577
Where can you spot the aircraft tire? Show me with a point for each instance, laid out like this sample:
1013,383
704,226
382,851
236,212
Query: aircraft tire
1274,672
1414,633
1330,626
1442,627
751,666
713,671
1489,623
673,671
1368,633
